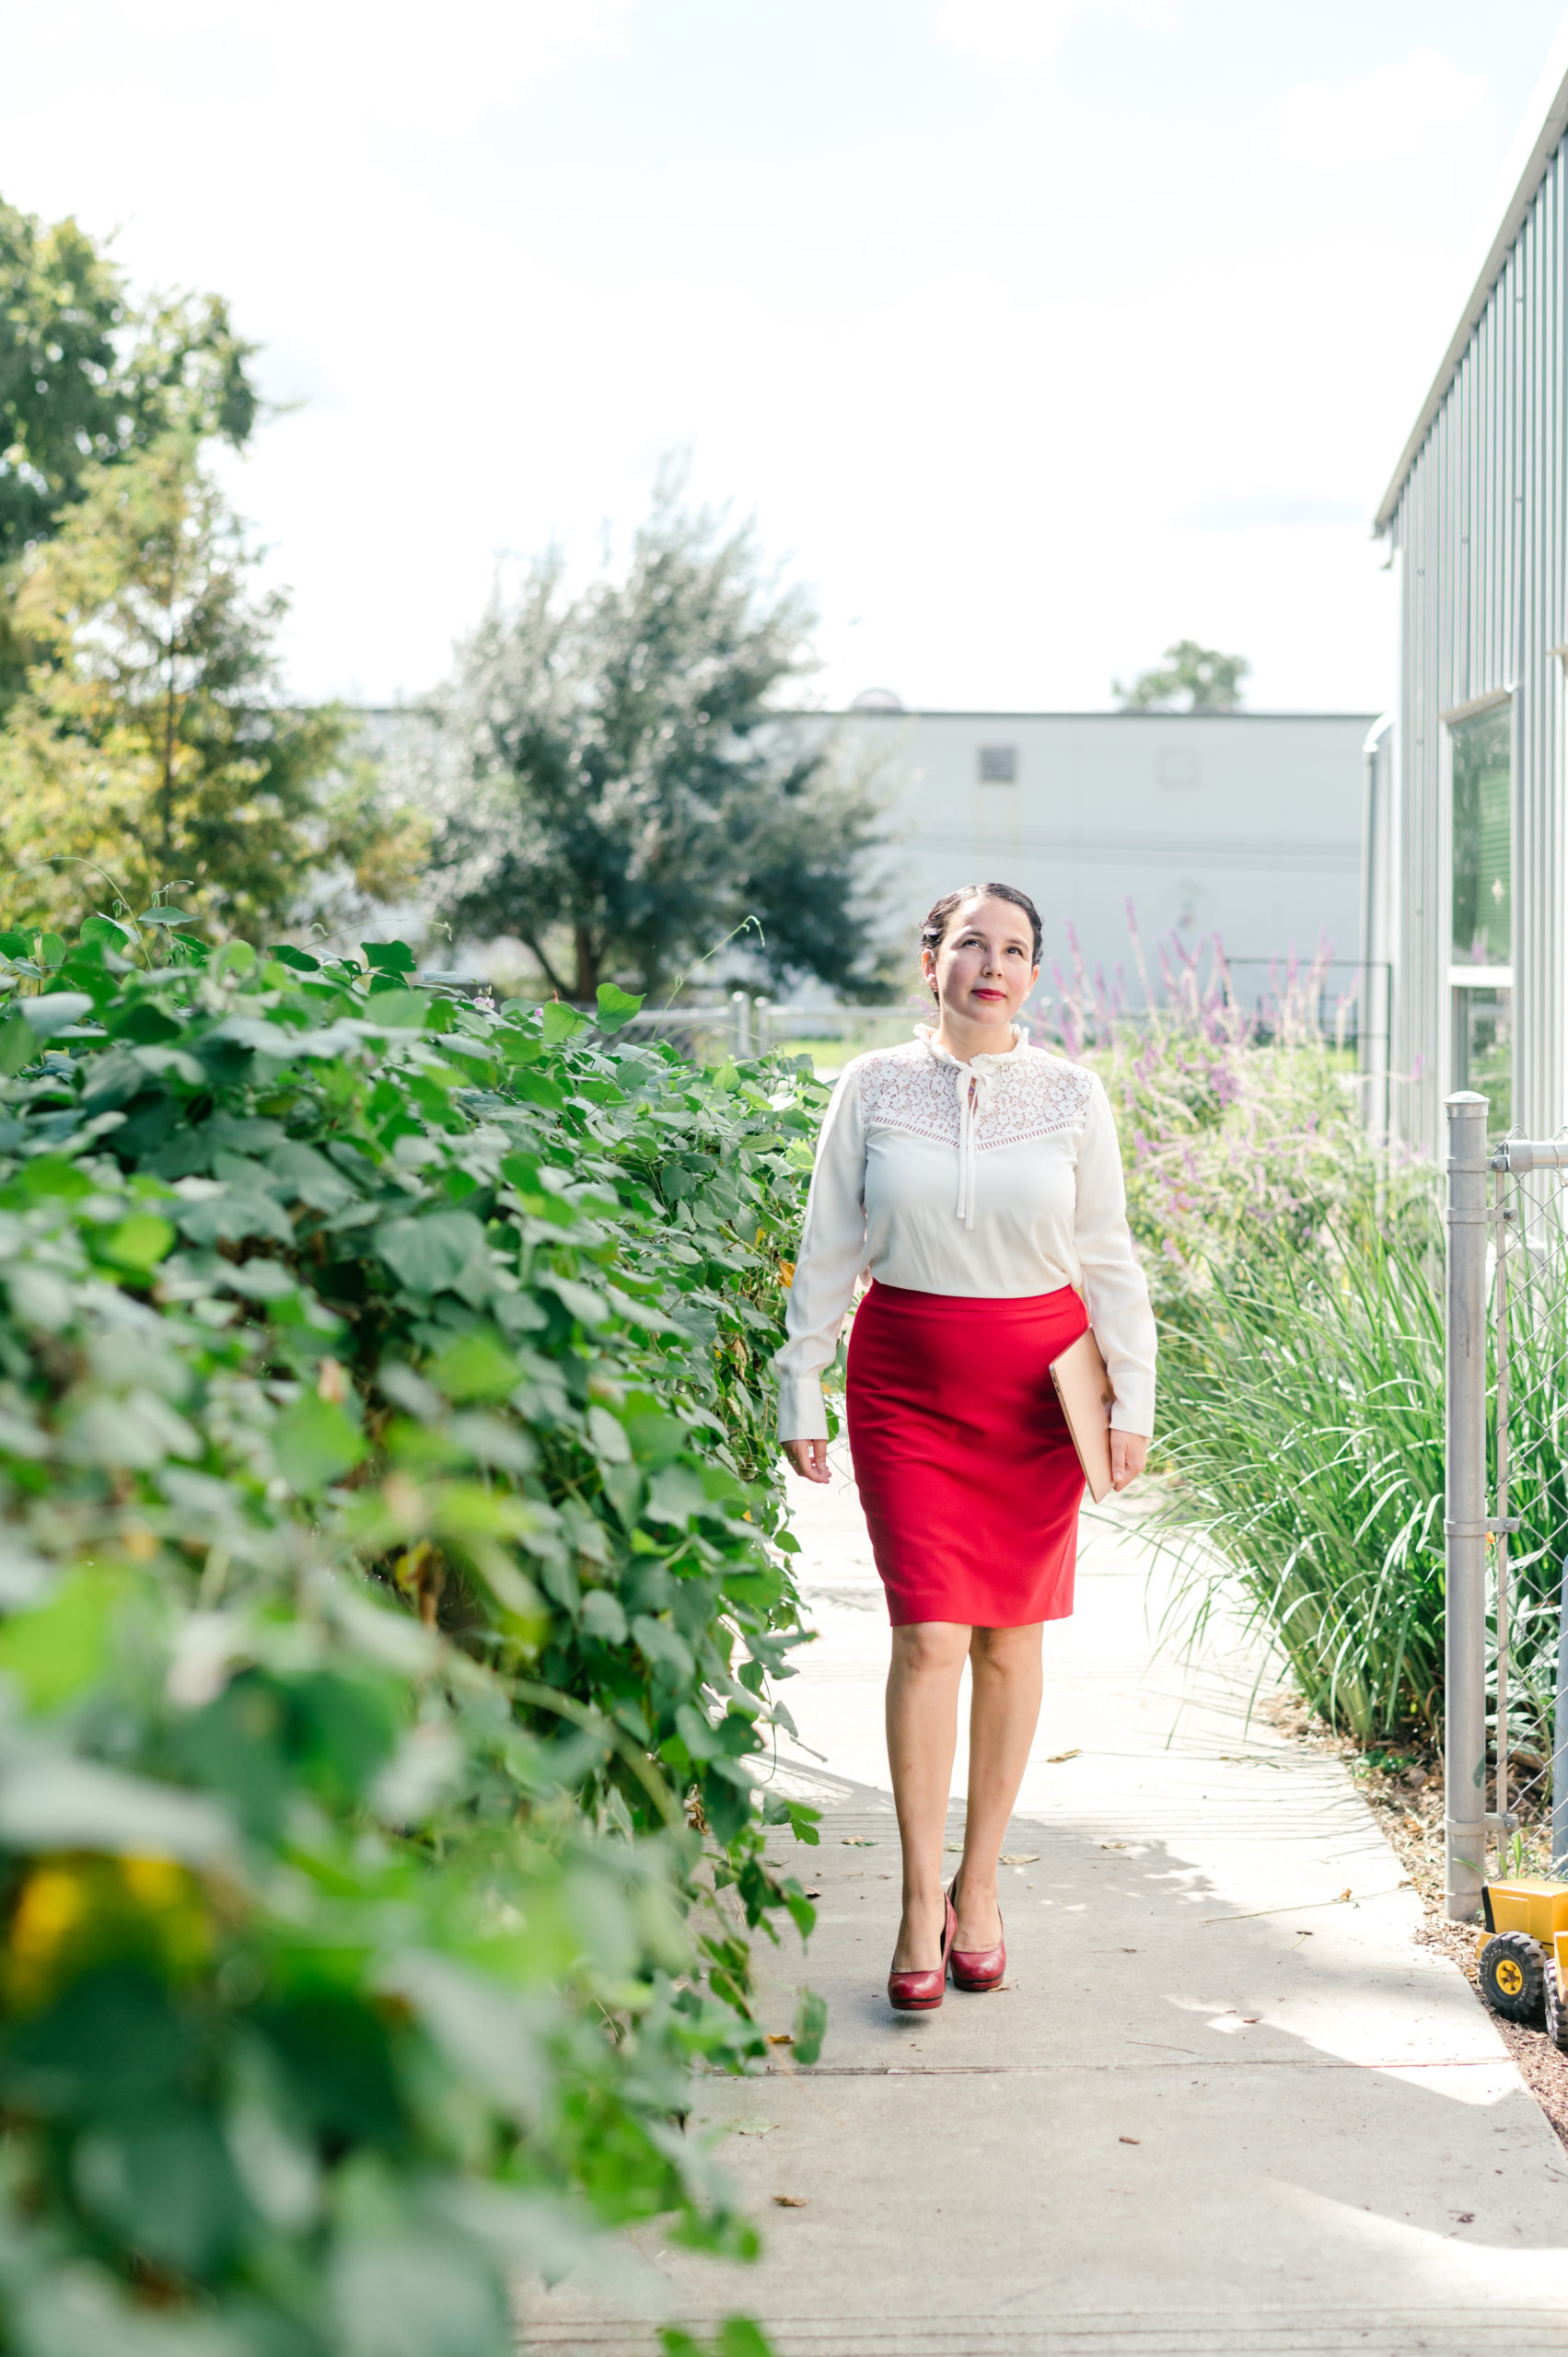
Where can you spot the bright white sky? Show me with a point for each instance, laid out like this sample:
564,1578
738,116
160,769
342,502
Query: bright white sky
1033,333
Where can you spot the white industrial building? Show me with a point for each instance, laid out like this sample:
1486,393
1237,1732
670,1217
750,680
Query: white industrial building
1244,825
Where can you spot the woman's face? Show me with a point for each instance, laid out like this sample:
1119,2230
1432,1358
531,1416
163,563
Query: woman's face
985,968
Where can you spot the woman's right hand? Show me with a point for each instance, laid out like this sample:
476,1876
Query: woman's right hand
808,1457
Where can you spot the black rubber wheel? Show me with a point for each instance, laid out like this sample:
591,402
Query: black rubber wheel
1513,1975
1556,2009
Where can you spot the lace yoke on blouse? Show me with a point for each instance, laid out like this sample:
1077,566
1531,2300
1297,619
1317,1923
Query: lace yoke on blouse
1000,1101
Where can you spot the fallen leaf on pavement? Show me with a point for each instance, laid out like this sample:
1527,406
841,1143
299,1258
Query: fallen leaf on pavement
790,2202
1054,1759
857,1841
1342,1896
1019,1858
1128,2140
1113,1845
781,2037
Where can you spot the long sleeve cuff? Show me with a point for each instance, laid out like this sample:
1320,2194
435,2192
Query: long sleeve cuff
802,1412
1115,1291
1132,1410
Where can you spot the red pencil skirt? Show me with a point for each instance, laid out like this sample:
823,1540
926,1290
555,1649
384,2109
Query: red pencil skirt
966,1470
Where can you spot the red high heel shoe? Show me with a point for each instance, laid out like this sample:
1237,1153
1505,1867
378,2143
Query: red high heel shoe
976,1969
921,1992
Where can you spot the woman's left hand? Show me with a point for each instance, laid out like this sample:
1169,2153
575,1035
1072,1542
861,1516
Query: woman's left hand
1129,1455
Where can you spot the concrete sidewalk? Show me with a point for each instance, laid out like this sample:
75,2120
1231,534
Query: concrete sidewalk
1220,2108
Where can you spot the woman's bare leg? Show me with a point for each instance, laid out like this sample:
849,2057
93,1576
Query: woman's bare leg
1005,1683
923,1733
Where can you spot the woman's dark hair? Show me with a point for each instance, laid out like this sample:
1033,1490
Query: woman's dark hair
934,932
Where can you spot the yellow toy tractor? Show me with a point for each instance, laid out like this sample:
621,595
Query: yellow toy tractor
1523,1953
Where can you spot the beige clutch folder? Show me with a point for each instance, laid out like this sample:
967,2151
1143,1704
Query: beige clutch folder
1084,1390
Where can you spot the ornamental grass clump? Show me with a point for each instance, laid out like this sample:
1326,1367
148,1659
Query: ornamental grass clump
1303,1410
1298,1280
393,1601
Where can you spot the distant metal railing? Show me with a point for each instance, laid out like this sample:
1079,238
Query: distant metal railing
748,1024
1356,1011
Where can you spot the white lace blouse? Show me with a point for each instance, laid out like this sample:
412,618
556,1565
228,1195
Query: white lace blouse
1001,1177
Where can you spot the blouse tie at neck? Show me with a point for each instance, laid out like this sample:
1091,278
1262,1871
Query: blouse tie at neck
976,1085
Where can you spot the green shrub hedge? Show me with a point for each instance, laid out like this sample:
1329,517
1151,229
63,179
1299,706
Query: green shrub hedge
394,1598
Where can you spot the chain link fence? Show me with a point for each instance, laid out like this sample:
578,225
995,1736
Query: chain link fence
1272,997
1505,1524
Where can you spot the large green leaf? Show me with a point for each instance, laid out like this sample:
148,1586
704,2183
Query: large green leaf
163,2181
397,1010
138,1244
616,1007
64,1643
475,1368
234,1215
390,957
417,2294
562,1022
429,1254
19,1044
314,1442
112,2038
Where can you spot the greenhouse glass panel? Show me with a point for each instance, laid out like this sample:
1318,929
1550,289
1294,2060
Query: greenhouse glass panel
1483,1053
1483,897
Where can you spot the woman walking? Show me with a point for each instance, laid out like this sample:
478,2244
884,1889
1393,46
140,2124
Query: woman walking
977,1179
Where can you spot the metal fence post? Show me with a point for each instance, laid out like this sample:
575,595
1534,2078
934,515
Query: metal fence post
1464,1525
1560,1740
740,1021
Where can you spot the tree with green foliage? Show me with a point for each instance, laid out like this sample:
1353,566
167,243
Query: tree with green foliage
1191,678
151,746
87,378
618,789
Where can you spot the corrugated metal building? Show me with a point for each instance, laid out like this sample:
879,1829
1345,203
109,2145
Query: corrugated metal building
1468,868
1244,825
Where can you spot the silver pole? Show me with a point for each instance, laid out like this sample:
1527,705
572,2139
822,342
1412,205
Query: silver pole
740,1020
1560,1740
1500,1376
762,1011
1464,1740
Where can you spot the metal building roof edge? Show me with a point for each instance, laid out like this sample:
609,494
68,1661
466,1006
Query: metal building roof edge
1548,114
1042,712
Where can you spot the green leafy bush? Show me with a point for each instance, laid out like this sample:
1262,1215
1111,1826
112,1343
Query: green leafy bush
394,1598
